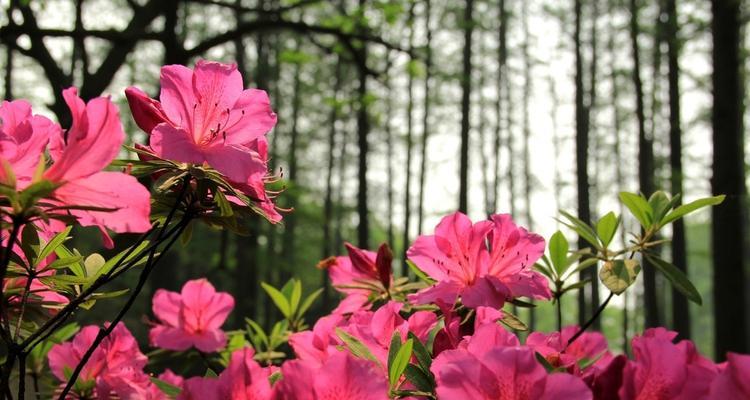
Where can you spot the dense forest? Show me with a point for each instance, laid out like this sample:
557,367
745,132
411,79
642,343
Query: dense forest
393,113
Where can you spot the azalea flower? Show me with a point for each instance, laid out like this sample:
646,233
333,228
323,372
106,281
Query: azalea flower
340,377
205,116
23,138
349,273
243,379
458,257
589,347
734,380
663,370
115,367
191,318
501,372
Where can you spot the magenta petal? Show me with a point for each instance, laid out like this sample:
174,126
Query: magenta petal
444,292
236,162
565,386
146,111
177,96
251,117
484,292
166,306
127,201
210,340
175,144
169,338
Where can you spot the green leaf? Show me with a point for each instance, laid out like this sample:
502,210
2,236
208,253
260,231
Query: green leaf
309,300
36,191
581,228
606,228
618,275
421,352
93,264
419,378
53,243
513,322
677,278
396,369
639,207
688,208
225,207
577,285
357,348
76,268
166,388
278,298
660,204
257,334
558,252
116,259
295,297
418,272
393,350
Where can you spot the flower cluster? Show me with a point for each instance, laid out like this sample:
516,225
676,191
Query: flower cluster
455,351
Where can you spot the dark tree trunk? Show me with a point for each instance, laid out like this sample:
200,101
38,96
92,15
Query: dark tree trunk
389,153
527,93
617,151
363,130
409,145
425,113
728,219
328,247
645,166
501,59
591,106
8,90
288,242
468,27
680,310
582,148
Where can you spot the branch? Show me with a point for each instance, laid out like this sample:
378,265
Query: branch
244,10
279,24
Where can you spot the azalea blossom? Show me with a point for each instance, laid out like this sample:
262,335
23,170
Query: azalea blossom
349,273
191,318
663,370
589,347
501,372
340,377
734,380
458,257
115,367
23,138
243,379
205,116
114,200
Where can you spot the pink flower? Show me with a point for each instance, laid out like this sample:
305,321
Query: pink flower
243,379
340,377
663,370
360,266
458,258
23,138
79,156
116,366
734,380
192,318
590,347
501,372
315,345
206,116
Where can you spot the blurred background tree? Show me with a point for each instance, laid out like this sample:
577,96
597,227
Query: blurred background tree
393,113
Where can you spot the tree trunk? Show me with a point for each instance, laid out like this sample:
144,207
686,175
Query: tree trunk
680,310
645,167
617,152
582,143
425,114
333,117
728,219
389,152
527,93
597,325
409,145
468,26
501,59
363,130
